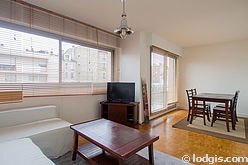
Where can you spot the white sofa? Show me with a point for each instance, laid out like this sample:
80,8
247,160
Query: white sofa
22,152
41,124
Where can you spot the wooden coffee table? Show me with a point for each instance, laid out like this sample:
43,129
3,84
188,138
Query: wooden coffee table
111,143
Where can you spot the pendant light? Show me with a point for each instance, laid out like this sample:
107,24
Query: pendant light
123,30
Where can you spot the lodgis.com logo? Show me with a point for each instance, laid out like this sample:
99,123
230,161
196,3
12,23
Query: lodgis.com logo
214,159
186,158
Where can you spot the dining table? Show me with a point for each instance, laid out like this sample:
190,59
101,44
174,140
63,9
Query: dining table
227,99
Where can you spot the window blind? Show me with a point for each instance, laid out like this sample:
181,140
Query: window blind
38,65
53,89
22,13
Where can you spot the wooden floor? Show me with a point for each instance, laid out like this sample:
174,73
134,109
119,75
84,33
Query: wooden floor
178,142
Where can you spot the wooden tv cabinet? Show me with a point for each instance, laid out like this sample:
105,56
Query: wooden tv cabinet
120,112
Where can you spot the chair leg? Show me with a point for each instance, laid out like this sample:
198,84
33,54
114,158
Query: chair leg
209,109
208,116
191,116
236,116
204,118
216,116
213,118
233,119
188,115
233,124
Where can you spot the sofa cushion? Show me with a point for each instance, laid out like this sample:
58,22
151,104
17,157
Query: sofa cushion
23,152
53,136
26,115
30,129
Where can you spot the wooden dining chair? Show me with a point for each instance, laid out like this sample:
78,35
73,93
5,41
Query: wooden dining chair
200,111
208,106
219,113
189,96
235,108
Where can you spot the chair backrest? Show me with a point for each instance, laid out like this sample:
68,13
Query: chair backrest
194,91
235,102
189,95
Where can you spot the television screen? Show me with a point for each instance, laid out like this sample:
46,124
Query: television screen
121,92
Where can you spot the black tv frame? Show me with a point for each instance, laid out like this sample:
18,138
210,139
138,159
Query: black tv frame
119,100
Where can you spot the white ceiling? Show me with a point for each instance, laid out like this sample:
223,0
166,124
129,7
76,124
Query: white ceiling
184,22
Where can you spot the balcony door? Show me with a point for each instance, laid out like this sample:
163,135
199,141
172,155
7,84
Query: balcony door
163,81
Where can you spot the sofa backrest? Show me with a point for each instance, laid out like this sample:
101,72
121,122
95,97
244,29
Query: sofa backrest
26,115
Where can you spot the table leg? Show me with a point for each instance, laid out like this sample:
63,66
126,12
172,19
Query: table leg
75,146
192,110
151,157
204,105
204,117
121,162
227,116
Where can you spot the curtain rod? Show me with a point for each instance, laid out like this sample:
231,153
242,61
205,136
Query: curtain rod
65,17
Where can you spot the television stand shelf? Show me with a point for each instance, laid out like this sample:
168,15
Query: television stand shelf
123,113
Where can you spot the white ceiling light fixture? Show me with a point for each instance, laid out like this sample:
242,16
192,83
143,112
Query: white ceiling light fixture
124,30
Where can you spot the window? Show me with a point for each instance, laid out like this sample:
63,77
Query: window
10,77
29,56
158,85
163,80
32,62
7,63
86,64
171,80
43,63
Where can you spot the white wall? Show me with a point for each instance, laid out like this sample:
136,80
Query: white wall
220,68
130,62
71,108
130,65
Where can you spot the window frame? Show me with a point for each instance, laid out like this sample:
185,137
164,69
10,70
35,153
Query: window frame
61,39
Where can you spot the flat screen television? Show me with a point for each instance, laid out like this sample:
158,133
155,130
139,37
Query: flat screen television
121,92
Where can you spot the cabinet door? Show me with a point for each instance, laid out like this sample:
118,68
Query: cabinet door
117,113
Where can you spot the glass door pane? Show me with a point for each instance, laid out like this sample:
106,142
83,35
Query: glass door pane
157,83
171,80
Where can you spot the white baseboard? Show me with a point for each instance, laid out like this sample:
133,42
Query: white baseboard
157,115
243,115
162,113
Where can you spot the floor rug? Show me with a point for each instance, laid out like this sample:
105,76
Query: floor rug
218,129
160,158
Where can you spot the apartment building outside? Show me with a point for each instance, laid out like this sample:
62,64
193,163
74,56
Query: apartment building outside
27,58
